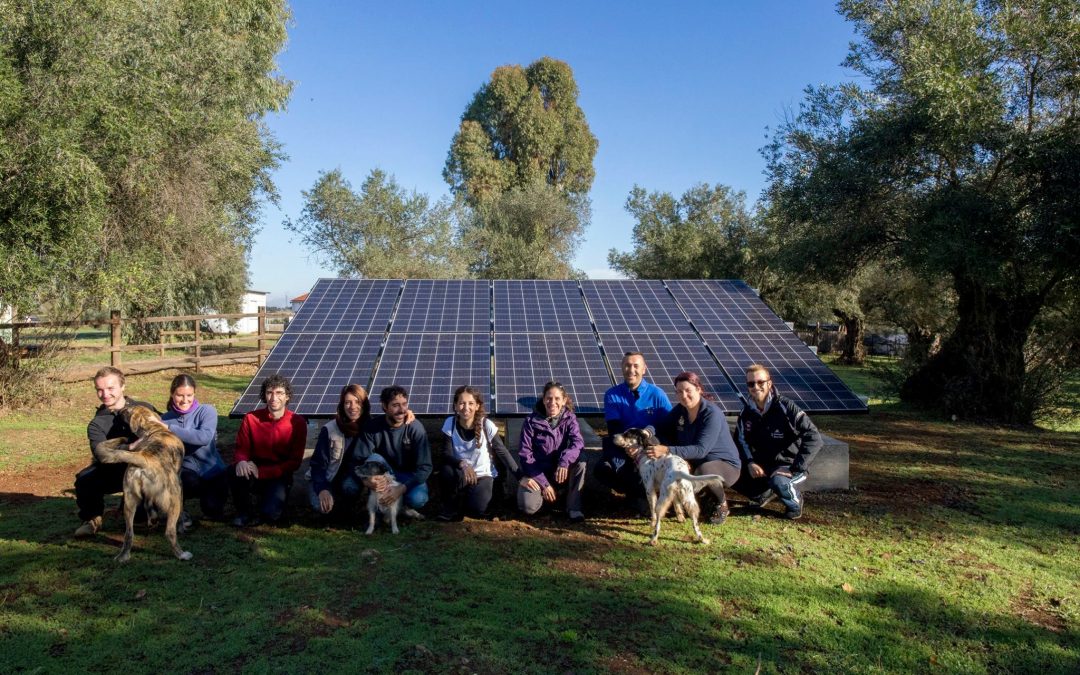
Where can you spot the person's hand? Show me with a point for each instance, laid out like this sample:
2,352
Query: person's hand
134,444
392,495
549,494
409,417
326,501
755,470
245,469
529,484
632,453
379,483
470,473
782,472
656,451
561,474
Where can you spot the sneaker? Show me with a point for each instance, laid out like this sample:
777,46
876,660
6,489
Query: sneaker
576,517
246,521
412,513
763,498
185,523
720,514
793,513
89,528
447,516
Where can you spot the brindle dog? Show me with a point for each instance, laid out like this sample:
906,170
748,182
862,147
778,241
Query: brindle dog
153,474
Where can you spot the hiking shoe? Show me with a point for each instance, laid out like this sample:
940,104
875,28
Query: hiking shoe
447,516
763,498
89,528
185,523
720,514
793,513
412,513
576,517
246,521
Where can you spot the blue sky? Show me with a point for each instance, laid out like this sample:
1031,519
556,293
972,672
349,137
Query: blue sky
677,94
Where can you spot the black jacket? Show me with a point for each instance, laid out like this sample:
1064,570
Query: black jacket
108,424
782,437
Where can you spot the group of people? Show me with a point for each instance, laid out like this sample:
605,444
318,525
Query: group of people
767,458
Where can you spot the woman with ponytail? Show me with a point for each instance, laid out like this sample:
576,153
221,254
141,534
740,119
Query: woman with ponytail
202,472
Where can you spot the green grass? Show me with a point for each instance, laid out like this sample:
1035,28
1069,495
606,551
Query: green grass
955,551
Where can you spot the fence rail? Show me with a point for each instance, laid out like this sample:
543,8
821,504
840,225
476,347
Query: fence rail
265,335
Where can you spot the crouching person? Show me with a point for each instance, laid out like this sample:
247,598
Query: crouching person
777,441
269,449
334,485
550,454
402,442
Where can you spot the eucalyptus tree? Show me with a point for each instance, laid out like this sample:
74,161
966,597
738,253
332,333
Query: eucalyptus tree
960,156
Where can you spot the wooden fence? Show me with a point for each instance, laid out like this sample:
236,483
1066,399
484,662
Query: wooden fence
203,340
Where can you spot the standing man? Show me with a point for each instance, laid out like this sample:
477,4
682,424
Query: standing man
635,403
777,441
404,446
269,449
98,480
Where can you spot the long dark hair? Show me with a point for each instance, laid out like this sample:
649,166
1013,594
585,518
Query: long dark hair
539,407
347,426
181,380
481,414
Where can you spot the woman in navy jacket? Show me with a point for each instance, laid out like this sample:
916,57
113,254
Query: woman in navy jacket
697,431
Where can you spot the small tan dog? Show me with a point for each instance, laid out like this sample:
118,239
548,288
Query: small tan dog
153,474
667,481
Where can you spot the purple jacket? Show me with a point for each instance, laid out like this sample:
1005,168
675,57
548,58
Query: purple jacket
544,448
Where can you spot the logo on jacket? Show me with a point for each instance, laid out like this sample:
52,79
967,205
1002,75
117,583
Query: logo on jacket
682,423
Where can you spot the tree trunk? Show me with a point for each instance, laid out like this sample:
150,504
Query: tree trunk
979,371
854,349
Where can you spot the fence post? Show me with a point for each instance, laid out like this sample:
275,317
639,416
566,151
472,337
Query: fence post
114,322
262,332
198,344
15,346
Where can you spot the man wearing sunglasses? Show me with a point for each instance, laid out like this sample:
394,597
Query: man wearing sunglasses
777,442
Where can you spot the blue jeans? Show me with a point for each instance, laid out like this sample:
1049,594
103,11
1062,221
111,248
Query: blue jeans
271,494
416,497
785,489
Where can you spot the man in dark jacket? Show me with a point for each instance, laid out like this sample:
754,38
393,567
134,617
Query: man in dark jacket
404,446
777,442
98,480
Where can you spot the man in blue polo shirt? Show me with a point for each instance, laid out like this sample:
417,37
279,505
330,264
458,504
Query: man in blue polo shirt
633,404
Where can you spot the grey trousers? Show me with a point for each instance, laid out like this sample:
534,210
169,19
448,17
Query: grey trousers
530,501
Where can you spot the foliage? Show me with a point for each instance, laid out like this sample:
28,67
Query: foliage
969,568
132,151
954,162
707,233
523,127
382,232
529,232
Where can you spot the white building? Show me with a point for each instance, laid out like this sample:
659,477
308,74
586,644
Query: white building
249,304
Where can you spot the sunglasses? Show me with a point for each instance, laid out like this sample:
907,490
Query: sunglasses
750,384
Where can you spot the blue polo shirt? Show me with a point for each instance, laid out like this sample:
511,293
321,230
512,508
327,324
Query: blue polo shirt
648,409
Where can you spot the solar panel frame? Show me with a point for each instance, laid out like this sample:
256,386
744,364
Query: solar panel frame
620,306
724,306
443,306
667,355
430,367
525,362
550,307
797,372
317,367
347,306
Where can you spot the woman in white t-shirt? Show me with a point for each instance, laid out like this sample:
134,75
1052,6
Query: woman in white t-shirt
465,480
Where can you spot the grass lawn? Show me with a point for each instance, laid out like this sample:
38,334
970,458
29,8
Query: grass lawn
956,550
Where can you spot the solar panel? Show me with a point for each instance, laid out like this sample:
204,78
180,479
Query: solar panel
431,366
525,362
667,355
724,306
632,307
444,306
540,307
347,306
317,366
796,371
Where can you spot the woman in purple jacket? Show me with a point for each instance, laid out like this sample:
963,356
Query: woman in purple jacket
550,453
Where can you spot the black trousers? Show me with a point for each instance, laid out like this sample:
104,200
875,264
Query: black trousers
212,492
456,495
93,483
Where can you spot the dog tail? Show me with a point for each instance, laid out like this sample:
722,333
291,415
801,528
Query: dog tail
707,479
107,453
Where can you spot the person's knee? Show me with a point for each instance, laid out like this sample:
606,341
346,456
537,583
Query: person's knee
417,497
351,488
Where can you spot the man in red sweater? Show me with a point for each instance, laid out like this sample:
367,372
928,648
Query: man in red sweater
269,448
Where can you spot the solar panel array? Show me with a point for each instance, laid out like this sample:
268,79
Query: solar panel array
508,338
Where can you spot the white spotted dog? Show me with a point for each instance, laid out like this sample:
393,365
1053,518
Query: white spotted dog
667,481
375,465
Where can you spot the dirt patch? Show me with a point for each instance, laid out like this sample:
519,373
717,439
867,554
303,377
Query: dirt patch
39,481
1037,613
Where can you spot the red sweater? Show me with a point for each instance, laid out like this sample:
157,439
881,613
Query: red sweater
276,446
